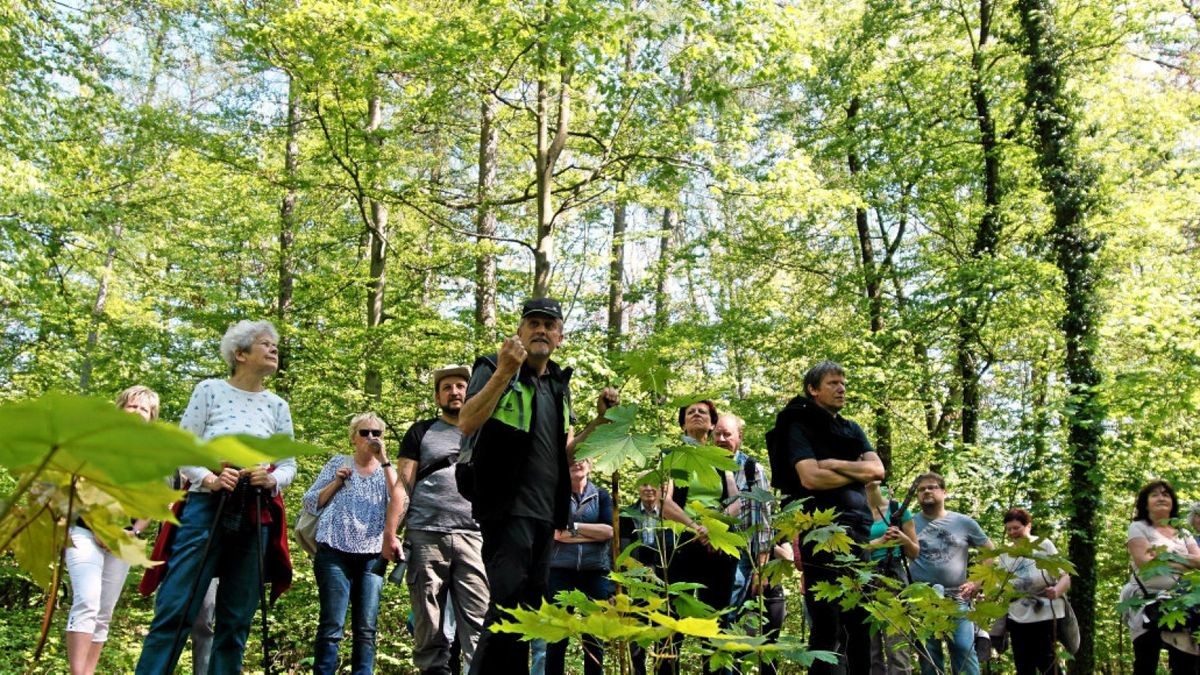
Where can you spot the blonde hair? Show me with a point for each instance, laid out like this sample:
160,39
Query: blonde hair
738,422
143,392
363,418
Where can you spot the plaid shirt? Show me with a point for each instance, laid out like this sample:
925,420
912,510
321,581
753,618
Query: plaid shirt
755,515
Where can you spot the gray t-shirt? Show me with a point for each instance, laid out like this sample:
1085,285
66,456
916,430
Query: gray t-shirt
436,504
945,545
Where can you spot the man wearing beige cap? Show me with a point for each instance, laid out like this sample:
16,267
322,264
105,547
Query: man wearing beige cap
444,546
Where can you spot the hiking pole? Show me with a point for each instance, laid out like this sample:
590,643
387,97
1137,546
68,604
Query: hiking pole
262,580
176,645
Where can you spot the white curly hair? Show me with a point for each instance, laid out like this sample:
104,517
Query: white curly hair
241,336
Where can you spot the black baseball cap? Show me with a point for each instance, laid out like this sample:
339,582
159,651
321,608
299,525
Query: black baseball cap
546,306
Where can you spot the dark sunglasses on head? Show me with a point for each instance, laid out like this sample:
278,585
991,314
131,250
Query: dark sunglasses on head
370,432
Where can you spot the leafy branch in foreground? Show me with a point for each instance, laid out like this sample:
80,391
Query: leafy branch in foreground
76,457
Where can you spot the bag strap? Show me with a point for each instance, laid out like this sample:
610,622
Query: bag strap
1145,593
434,467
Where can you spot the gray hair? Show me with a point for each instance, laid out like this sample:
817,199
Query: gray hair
241,336
817,374
365,418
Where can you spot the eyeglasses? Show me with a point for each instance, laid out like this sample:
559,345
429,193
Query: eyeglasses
929,488
370,432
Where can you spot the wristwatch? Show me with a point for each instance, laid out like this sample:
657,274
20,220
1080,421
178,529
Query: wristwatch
574,529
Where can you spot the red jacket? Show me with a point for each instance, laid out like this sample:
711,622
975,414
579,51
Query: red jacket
278,560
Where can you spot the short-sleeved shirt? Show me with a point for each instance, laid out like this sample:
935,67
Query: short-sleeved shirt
535,493
945,549
436,504
218,408
1135,619
844,440
353,519
1031,581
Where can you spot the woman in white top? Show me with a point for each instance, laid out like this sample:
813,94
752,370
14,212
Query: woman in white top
1031,617
97,574
245,499
1151,533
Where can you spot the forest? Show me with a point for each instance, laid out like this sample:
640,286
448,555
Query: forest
987,211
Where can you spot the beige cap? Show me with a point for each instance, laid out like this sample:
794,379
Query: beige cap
448,371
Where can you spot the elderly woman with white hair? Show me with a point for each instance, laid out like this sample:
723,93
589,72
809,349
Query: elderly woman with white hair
351,497
97,574
246,499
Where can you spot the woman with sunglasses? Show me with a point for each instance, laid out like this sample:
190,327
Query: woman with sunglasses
351,496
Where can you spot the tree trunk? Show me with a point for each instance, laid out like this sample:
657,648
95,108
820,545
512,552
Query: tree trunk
662,301
485,262
549,149
616,279
377,244
987,237
98,308
287,230
1070,181
872,287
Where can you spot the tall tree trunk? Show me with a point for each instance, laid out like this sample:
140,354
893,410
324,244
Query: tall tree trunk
872,286
616,279
662,300
987,237
485,223
287,230
377,243
98,308
549,149
1070,181
100,304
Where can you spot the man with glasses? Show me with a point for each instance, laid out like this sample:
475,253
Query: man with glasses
517,427
834,462
446,577
946,538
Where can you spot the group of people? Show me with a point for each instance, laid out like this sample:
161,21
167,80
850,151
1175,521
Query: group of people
497,513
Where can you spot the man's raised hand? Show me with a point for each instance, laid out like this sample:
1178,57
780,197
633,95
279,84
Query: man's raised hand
512,355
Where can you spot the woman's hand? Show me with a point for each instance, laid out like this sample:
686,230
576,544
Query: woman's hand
342,475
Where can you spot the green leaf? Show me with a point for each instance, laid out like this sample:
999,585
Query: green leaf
92,438
699,462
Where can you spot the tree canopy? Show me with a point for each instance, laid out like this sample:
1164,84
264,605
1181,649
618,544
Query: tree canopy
988,212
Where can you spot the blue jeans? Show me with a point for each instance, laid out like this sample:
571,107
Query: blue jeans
234,558
963,659
354,580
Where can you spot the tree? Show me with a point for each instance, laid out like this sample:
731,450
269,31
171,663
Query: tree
1070,179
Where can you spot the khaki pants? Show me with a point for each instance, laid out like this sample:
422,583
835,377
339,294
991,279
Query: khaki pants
441,565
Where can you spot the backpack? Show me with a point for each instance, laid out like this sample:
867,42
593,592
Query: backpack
783,471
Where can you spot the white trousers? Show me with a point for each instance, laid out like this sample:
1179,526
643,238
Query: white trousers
97,577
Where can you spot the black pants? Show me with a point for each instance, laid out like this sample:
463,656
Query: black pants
1146,649
1033,647
516,554
845,631
595,585
695,563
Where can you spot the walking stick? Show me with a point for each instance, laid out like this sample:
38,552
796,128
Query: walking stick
262,579
176,645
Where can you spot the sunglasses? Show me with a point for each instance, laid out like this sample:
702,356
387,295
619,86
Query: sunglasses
370,432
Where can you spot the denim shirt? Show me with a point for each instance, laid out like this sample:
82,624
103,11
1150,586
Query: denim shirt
594,505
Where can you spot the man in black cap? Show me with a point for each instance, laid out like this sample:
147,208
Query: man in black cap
517,433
